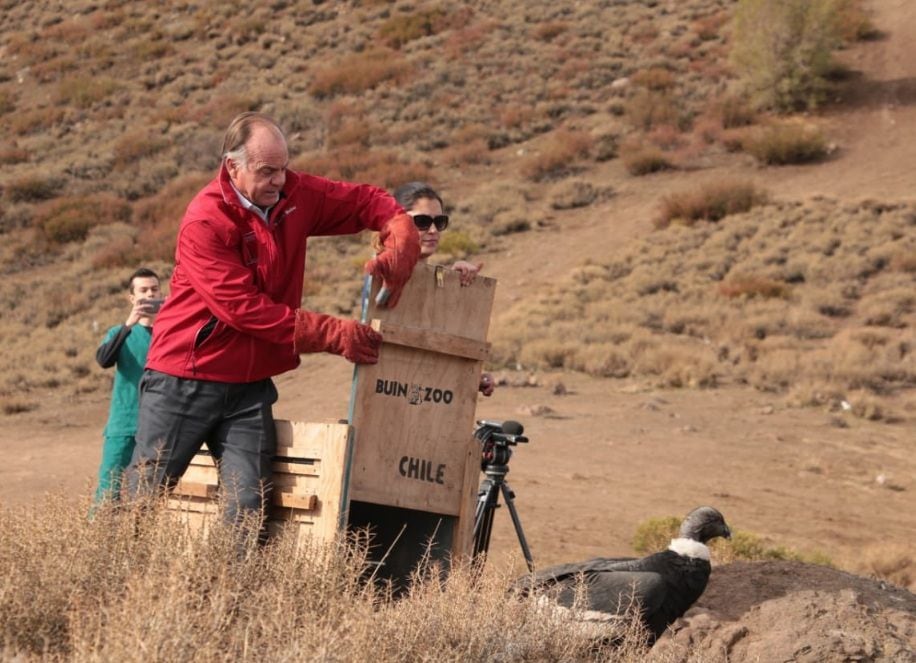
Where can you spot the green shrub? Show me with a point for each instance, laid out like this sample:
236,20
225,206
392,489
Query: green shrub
655,534
783,50
786,143
457,243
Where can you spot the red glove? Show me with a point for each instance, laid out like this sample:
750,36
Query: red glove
401,250
317,332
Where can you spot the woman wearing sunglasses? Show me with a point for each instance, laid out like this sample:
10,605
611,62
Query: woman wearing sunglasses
424,204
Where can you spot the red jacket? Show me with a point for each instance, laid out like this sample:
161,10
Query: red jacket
237,282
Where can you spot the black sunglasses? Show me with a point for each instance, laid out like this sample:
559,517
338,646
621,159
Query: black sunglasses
424,221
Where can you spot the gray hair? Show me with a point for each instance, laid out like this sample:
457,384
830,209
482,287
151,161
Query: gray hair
239,132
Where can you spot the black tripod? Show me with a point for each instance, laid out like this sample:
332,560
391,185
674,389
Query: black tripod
496,438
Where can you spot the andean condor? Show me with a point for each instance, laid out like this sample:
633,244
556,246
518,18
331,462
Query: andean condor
665,584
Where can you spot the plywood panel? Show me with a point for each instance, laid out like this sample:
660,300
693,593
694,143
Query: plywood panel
413,411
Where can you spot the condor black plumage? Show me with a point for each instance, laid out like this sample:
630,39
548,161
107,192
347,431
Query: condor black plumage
664,584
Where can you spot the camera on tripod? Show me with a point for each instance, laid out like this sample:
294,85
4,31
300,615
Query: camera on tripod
495,438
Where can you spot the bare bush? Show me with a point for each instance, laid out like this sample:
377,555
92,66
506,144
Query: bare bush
711,202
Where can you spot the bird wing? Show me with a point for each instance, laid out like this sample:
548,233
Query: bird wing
565,573
615,592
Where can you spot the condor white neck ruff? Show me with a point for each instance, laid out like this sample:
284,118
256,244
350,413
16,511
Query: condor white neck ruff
689,548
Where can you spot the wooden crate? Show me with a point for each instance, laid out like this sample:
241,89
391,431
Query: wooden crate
416,464
309,472
408,468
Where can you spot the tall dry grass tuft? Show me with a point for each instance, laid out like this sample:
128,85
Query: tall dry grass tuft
785,143
711,202
133,581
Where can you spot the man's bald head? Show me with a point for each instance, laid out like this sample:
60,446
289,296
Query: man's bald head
240,131
256,156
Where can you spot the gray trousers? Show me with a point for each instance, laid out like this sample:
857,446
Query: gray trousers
177,415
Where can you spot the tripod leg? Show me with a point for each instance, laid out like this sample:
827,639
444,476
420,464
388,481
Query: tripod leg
483,517
509,497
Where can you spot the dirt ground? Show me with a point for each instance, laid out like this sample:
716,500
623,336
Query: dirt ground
606,455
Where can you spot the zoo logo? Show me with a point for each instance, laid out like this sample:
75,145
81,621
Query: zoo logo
414,393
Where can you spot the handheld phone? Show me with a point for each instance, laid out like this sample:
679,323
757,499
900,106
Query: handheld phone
151,305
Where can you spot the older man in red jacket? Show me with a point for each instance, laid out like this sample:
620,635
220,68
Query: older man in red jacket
233,319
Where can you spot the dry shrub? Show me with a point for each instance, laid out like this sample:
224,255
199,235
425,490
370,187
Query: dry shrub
711,202
513,116
351,132
571,195
69,219
754,286
462,41
119,251
220,109
558,156
786,143
606,360
550,30
7,101
380,167
710,27
13,154
138,144
474,152
85,91
358,72
658,79
892,563
641,159
403,28
904,261
651,108
734,112
34,120
160,215
33,188
890,308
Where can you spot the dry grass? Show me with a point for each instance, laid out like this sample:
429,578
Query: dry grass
134,581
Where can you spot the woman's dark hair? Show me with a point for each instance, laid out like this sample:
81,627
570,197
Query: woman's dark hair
408,194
